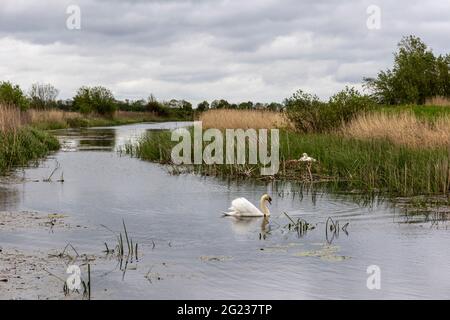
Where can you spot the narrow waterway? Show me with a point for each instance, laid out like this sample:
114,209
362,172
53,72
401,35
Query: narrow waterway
187,250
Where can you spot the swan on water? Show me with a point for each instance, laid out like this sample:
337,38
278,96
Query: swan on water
241,207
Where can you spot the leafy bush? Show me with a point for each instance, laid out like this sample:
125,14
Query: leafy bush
417,74
12,95
96,99
77,122
309,114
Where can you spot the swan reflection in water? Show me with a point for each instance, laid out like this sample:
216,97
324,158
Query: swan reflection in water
246,225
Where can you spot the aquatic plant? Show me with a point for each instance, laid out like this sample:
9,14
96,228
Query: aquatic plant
367,165
19,147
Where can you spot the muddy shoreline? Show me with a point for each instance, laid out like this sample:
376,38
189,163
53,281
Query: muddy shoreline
35,274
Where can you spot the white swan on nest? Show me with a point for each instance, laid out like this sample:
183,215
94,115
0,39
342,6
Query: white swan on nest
241,207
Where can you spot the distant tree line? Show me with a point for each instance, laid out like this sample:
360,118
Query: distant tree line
101,100
417,74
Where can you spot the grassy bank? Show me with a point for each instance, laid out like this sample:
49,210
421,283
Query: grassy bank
425,112
19,147
367,154
23,137
372,165
20,143
57,119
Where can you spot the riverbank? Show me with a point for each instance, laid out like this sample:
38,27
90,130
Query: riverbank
36,274
393,153
23,136
20,147
57,119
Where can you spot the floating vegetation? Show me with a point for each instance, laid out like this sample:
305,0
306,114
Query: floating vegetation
328,253
280,248
215,258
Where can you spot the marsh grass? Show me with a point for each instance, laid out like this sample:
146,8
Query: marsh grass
367,165
403,129
243,119
57,119
11,119
20,146
438,101
422,112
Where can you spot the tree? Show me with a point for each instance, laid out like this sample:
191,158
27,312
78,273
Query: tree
416,75
220,104
152,104
260,106
12,95
186,105
443,75
203,106
246,105
274,106
43,96
95,99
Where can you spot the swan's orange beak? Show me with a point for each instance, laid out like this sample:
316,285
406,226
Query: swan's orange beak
269,200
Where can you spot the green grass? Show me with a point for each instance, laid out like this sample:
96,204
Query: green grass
373,166
421,111
25,145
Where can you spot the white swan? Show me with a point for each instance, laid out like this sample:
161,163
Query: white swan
241,207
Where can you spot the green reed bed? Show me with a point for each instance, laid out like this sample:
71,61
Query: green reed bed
427,112
19,147
374,164
364,165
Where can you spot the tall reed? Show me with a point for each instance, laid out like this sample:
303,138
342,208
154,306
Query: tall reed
20,143
402,129
438,101
243,119
11,118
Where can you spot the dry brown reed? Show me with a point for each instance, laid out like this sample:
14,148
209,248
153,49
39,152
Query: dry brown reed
402,129
50,116
11,118
243,119
438,101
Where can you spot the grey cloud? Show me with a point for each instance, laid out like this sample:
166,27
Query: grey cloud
203,49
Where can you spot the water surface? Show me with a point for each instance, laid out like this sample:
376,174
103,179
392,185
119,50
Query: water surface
188,251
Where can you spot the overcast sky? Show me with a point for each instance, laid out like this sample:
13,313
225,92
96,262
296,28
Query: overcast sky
239,50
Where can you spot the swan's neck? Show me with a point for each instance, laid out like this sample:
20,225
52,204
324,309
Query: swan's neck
264,208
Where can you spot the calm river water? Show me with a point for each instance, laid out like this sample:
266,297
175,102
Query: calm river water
187,250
